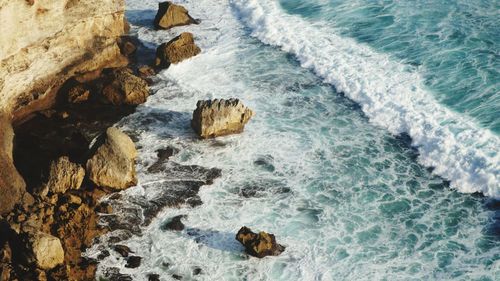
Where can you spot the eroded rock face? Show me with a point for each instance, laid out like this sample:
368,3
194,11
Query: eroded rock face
70,38
176,50
65,175
126,88
48,250
170,15
113,164
78,94
259,245
12,185
219,117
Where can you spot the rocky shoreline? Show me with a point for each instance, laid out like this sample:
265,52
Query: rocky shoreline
65,162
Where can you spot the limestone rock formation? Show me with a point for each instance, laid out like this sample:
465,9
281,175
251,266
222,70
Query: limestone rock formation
12,185
219,117
126,88
113,164
44,43
65,175
259,245
48,250
176,50
170,15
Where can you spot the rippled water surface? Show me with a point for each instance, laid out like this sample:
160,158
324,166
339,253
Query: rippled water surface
348,199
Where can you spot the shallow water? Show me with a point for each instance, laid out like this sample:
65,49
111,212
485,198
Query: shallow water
346,197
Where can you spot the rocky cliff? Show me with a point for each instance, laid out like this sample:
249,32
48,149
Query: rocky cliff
45,42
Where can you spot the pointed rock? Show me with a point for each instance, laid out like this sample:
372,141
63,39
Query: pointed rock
170,15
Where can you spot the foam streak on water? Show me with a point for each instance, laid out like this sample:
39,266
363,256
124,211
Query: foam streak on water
390,94
347,198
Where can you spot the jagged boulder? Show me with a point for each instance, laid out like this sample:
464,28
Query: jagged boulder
47,250
12,185
219,117
113,164
176,50
259,245
126,88
170,15
64,175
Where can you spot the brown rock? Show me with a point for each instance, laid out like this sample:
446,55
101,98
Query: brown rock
65,175
145,71
73,199
126,88
27,201
219,117
88,76
170,15
176,50
113,164
126,46
123,250
71,38
78,94
259,245
12,185
47,250
133,262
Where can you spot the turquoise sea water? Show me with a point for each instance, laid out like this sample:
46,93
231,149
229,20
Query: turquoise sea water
337,161
455,45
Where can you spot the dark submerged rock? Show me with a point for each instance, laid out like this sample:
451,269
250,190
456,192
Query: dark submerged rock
153,277
174,224
123,250
163,156
196,271
133,262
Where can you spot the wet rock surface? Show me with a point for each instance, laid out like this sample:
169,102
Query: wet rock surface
176,50
174,192
133,262
174,224
259,244
219,117
123,250
163,156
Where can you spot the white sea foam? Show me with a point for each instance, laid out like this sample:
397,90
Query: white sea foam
389,93
357,208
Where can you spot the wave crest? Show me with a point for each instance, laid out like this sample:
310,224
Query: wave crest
390,94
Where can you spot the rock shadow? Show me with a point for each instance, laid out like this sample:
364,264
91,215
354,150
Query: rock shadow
223,241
